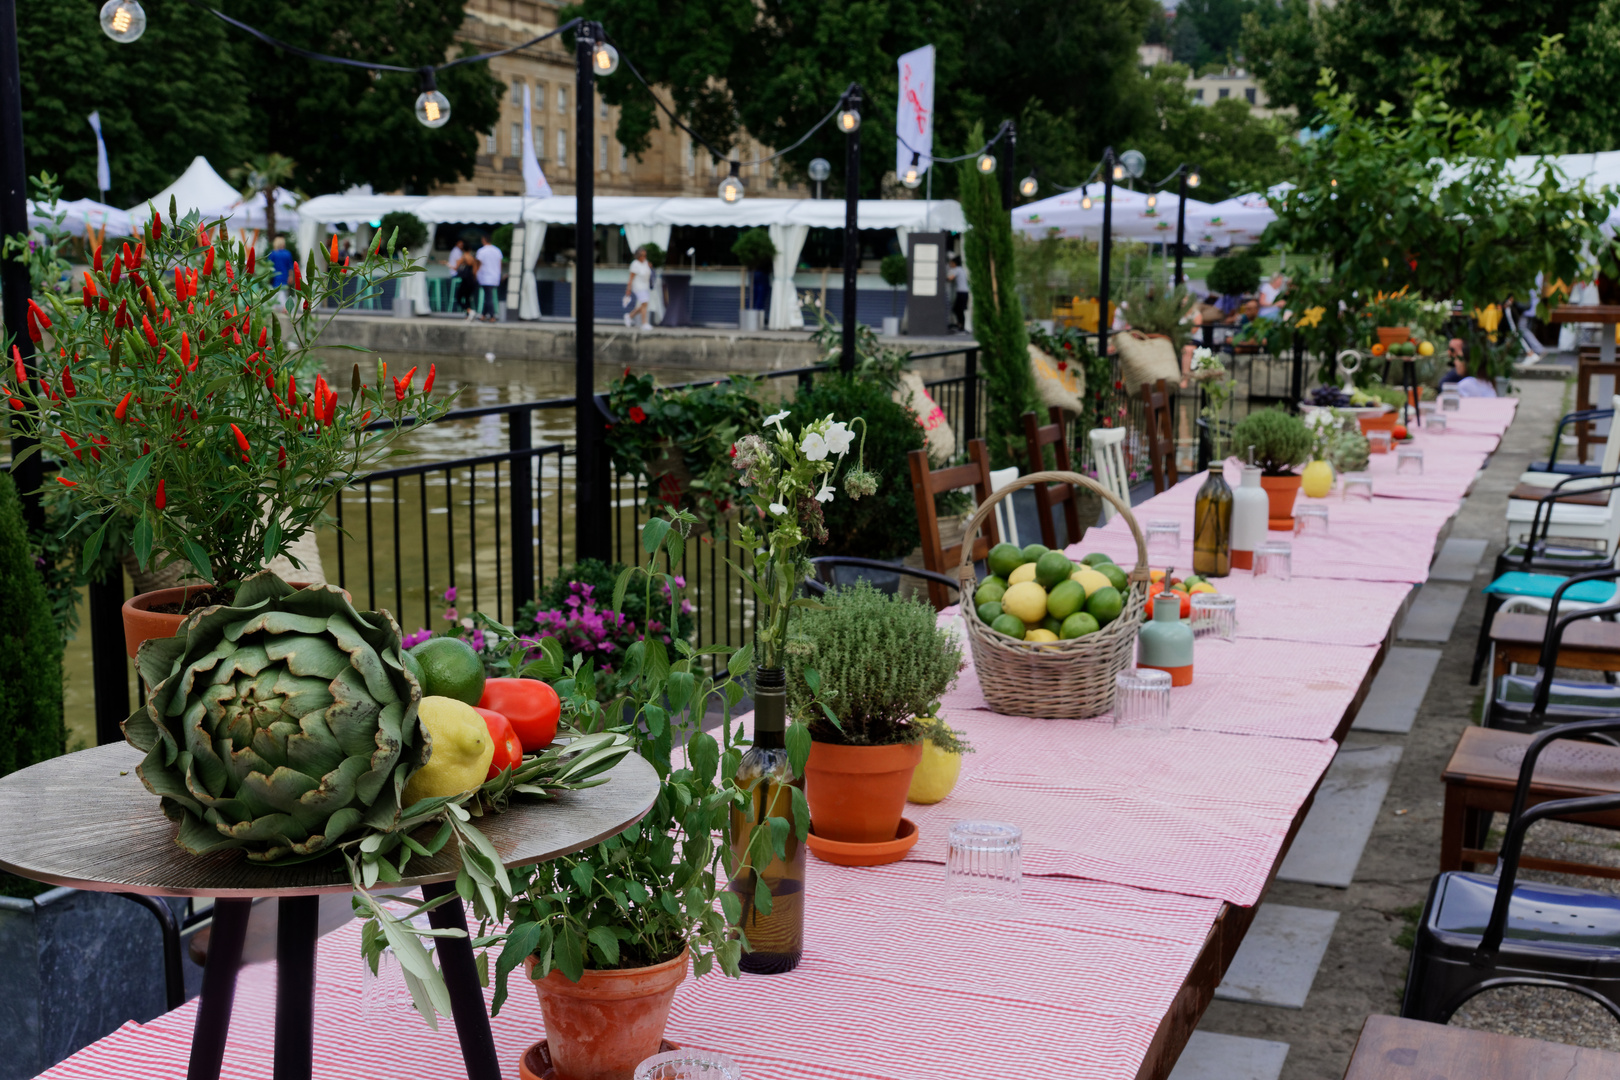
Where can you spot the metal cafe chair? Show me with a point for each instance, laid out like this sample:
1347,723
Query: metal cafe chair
1529,702
1549,470
1479,932
827,566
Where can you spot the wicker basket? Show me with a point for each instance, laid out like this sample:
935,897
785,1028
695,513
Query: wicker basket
1071,679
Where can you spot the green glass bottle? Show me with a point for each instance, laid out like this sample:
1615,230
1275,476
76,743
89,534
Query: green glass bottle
1212,526
776,941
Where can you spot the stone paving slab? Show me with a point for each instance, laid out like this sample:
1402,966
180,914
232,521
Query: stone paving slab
1458,560
1397,692
1433,613
1277,961
1229,1057
1330,841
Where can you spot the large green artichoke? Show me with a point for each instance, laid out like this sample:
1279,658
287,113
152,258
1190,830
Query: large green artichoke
279,725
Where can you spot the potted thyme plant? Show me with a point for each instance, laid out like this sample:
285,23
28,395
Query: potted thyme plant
1281,441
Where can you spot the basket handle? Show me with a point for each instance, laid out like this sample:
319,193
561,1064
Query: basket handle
970,532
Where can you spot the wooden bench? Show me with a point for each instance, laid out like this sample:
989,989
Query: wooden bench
1480,779
1587,644
1391,1048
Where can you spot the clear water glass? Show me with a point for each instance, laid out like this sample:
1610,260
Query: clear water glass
1214,615
984,865
1274,560
1163,541
1450,401
1378,441
384,996
688,1065
1435,423
1359,486
1142,700
1310,520
1409,459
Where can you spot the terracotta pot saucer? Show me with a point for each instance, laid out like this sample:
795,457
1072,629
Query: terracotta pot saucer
536,1061
842,853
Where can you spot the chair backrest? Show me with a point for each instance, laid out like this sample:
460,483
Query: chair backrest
1108,451
1159,405
925,484
1006,519
1037,436
1611,446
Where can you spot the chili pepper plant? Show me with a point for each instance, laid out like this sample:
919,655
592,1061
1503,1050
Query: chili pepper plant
167,390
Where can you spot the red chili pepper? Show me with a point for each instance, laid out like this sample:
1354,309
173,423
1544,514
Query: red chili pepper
161,499
22,372
250,260
210,299
68,387
185,351
179,283
117,268
332,252
241,441
98,258
427,384
33,328
71,445
364,418
208,263
140,253
89,293
297,279
157,225
292,388
129,256
281,457
151,335
123,407
399,390
330,415
65,482
39,313
15,404
230,275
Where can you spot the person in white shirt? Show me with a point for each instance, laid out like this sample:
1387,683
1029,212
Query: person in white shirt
957,276
489,276
1269,308
639,291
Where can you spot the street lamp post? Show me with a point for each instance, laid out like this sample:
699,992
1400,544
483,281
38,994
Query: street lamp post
1186,177
849,121
592,498
1107,250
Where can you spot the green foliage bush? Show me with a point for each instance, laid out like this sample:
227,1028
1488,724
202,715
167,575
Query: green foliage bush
893,269
1235,274
1280,440
413,231
31,727
655,254
880,660
754,249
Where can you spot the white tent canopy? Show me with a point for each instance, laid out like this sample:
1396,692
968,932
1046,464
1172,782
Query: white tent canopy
79,213
1132,217
199,188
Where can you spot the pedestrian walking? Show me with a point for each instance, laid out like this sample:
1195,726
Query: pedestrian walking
957,275
639,290
462,270
489,276
281,264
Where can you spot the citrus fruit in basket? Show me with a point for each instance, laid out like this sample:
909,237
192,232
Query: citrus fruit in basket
1033,552
451,669
1052,568
990,611
1096,557
1116,576
1011,625
1022,574
1091,580
1025,601
1201,587
991,588
1078,625
1041,634
1065,599
1104,605
1049,623
1003,559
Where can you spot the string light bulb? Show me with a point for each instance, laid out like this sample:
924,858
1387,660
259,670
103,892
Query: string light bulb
123,20
1085,202
1028,186
1193,179
1119,173
604,59
913,176
1153,200
987,163
731,188
849,120
432,109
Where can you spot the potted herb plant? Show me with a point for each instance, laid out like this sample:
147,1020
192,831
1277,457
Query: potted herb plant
879,662
893,269
167,390
1281,441
755,253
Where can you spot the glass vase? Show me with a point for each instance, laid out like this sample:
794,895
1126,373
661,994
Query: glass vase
1212,526
776,940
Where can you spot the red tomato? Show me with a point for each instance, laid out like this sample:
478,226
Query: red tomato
531,705
508,750
1399,432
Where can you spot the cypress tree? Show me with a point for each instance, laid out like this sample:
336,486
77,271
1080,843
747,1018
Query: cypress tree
31,724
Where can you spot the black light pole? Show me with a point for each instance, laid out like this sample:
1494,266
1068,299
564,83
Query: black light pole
1009,186
14,220
591,496
1107,250
852,232
1181,218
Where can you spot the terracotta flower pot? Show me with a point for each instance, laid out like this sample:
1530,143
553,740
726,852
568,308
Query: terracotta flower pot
603,1026
1281,491
1381,422
856,793
142,624
1393,335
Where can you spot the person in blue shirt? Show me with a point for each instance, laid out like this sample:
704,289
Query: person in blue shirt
282,261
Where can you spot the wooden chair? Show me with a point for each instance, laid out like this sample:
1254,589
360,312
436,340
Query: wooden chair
1159,404
1108,451
1048,496
925,484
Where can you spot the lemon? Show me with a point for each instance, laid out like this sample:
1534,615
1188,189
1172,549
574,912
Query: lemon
1040,635
1426,348
1317,480
1201,587
1003,559
460,750
1091,580
1025,601
1022,574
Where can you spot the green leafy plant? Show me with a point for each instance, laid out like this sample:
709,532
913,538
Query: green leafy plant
31,727
1211,376
1070,345
1155,309
874,361
877,661
893,269
1349,451
1280,440
407,230
754,249
1235,274
173,400
655,254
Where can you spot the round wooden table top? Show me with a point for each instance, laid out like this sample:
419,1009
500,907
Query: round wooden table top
86,820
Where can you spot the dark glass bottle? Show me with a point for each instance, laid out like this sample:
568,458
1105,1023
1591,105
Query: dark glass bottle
1212,526
776,941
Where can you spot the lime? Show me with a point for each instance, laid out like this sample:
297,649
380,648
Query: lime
1026,601
1066,599
1096,557
989,611
1003,559
1104,605
413,666
450,669
1052,568
1033,552
1011,625
1054,625
1078,625
991,588
1025,572
1116,577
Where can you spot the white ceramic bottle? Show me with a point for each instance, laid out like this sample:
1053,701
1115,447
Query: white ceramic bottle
1250,514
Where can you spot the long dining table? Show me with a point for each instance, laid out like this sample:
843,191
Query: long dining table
1144,859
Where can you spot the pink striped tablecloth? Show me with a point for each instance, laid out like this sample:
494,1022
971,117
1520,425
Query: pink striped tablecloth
1074,983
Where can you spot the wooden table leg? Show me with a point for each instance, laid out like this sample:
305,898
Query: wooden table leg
225,940
297,928
461,979
1452,827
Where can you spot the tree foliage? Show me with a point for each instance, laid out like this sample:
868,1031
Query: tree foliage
1235,151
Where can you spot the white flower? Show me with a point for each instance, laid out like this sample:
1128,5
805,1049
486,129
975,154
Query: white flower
778,508
825,495
1203,358
776,419
814,446
839,438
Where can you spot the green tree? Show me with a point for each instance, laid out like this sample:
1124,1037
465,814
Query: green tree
1235,151
998,317
1216,26
345,125
31,727
267,173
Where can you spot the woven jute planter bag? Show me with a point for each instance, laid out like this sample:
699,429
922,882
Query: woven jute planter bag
1069,680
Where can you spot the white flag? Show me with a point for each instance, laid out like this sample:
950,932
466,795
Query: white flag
534,181
103,172
914,116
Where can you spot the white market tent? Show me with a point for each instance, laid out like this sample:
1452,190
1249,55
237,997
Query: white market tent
204,191
1132,217
108,220
645,220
